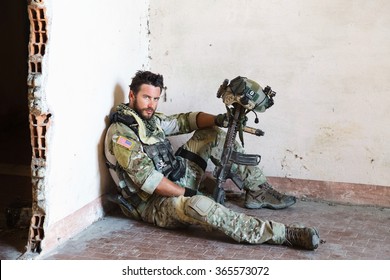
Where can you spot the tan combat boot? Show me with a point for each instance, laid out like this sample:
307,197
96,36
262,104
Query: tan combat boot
267,197
304,237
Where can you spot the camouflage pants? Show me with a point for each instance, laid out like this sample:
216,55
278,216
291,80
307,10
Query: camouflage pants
178,212
175,212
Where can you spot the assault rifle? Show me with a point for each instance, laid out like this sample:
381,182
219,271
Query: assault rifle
240,97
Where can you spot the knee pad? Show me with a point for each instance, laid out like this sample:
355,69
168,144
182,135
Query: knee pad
199,207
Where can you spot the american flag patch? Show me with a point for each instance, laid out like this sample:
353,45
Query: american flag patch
124,142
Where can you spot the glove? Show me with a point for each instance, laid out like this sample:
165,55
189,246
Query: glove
190,192
221,120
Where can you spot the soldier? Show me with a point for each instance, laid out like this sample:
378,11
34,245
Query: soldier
162,188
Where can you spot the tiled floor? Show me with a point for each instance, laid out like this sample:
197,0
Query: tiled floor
349,232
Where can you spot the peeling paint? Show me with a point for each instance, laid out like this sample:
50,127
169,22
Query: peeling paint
292,162
295,155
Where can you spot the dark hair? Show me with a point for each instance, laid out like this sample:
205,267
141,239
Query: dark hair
146,77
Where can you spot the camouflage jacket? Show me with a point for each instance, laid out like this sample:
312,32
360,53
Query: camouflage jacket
126,146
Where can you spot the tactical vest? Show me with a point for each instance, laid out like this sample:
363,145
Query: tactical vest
160,152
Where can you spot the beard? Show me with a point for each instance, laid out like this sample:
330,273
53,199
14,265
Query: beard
144,113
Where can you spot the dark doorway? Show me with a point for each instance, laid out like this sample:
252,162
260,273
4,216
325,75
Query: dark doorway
15,144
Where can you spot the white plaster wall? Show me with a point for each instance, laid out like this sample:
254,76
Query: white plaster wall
328,61
95,47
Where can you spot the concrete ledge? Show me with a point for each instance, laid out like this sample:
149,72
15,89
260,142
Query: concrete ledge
343,193
337,192
75,223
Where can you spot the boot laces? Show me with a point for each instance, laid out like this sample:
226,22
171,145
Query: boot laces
268,188
293,235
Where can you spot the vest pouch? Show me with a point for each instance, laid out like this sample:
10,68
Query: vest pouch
178,171
164,160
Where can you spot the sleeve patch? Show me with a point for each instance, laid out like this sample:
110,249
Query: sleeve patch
124,142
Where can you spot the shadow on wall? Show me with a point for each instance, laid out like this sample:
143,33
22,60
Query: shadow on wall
107,184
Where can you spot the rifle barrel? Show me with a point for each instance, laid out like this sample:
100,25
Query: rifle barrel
254,131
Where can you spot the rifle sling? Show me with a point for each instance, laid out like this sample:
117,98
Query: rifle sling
192,157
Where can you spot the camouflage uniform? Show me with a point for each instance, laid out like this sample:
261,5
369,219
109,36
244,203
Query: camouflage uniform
172,212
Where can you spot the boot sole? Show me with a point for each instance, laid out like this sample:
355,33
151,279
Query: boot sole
267,205
315,239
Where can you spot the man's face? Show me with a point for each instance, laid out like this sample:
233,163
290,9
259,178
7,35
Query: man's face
145,101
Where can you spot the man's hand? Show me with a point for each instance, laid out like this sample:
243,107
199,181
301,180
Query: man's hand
221,120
